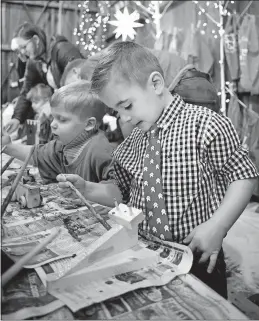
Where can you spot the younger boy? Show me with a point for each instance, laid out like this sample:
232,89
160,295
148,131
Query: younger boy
72,72
79,147
206,178
39,96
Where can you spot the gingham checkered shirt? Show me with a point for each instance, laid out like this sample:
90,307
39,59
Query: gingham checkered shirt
200,156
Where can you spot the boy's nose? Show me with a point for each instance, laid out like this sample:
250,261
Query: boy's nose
53,124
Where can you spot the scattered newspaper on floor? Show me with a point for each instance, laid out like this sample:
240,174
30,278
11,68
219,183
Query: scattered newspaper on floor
174,259
26,297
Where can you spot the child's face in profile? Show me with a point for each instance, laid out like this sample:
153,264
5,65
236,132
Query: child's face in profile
66,125
139,106
36,103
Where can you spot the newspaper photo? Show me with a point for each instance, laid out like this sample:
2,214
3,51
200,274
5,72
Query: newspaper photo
26,297
174,259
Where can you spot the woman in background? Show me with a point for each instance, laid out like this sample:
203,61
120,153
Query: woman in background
42,65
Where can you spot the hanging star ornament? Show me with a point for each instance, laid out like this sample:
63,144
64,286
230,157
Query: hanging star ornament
125,24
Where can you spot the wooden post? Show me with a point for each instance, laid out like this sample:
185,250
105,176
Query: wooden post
59,31
157,18
222,58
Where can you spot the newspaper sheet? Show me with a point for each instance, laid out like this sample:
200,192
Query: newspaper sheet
174,259
23,230
26,297
183,298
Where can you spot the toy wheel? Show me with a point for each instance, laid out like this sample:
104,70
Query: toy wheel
22,201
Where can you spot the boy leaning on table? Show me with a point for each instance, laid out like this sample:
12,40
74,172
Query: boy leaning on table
206,178
79,146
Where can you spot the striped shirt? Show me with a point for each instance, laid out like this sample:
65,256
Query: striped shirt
77,145
200,156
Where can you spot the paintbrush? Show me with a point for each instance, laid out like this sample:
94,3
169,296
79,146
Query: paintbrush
88,205
14,269
16,181
4,168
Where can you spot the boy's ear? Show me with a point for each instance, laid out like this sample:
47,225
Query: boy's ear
90,123
157,82
76,72
36,40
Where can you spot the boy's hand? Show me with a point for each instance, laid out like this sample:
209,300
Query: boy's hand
5,138
206,239
12,125
76,180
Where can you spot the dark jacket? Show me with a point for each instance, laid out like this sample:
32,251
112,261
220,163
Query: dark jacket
61,52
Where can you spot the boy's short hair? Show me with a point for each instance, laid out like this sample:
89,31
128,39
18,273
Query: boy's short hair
87,68
127,60
76,63
39,92
77,98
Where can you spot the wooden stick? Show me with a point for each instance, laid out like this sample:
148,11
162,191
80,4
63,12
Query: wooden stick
89,206
16,181
116,204
3,149
4,168
14,269
10,179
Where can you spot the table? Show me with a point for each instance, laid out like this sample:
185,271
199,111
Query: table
185,297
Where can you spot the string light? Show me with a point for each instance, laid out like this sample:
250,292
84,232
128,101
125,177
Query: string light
222,12
125,24
88,35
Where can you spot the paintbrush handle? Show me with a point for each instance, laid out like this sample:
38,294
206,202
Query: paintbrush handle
7,165
90,207
14,269
3,149
16,181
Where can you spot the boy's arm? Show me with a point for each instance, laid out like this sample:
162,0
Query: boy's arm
49,160
229,160
96,192
104,192
19,151
207,237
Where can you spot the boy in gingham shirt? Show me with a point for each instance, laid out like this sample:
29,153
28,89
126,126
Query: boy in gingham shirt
207,178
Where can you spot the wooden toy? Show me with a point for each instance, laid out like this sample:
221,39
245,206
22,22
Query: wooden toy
122,237
27,195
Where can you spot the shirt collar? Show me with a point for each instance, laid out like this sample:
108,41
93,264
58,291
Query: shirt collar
170,113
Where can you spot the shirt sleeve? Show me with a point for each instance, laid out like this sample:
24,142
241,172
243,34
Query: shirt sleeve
225,152
48,159
101,160
123,181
